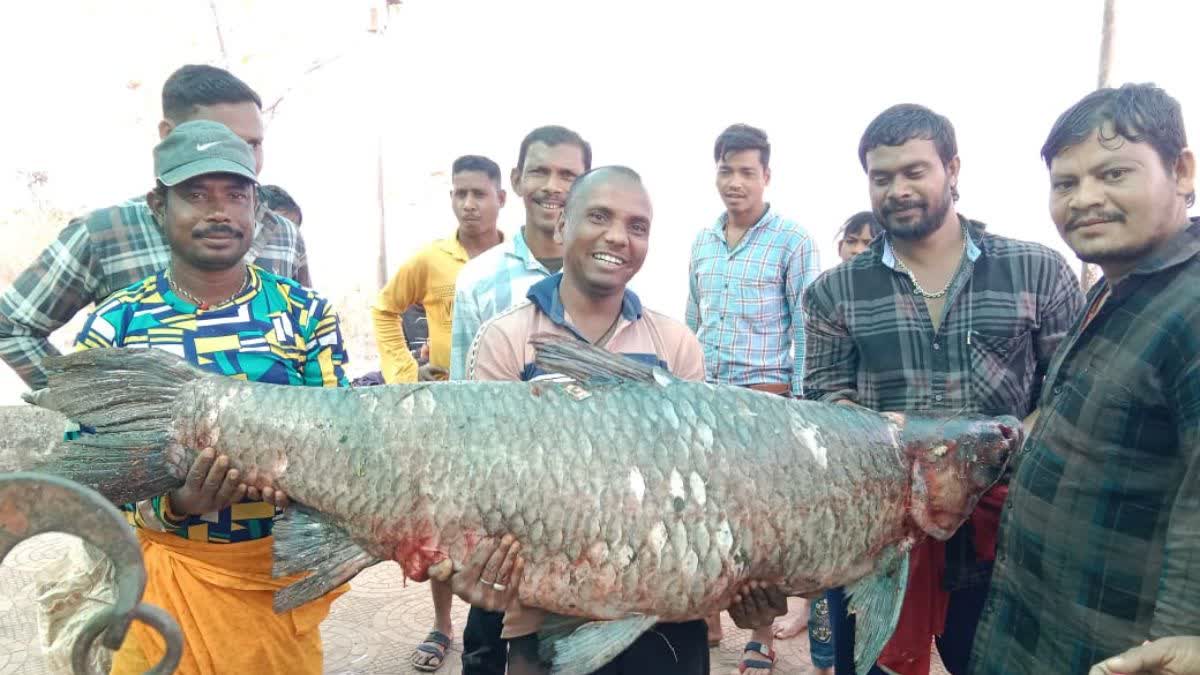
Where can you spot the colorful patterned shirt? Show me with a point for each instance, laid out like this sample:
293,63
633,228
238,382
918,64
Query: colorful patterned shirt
1100,537
487,285
101,253
276,331
745,303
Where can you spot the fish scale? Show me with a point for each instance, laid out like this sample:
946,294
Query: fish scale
637,496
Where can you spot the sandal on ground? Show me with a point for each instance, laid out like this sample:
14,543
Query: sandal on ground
765,663
436,643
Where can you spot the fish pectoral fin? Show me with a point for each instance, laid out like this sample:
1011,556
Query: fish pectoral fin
575,646
876,602
306,541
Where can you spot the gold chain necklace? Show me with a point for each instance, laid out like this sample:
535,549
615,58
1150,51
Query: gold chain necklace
917,285
200,304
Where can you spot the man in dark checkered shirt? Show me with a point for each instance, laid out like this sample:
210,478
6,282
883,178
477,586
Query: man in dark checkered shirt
938,314
1100,538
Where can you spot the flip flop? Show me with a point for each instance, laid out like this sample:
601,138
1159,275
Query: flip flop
436,643
759,648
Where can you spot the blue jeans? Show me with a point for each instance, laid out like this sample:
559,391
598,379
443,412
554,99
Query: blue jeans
820,633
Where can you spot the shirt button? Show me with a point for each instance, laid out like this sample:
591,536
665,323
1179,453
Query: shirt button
938,398
936,346
1056,391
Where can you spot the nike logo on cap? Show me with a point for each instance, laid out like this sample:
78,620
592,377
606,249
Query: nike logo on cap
201,147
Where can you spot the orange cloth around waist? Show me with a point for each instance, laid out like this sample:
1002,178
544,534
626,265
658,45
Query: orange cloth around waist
221,595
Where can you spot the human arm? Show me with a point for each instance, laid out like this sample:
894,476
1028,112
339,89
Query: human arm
1179,655
1177,605
692,311
50,292
464,325
404,289
326,356
1059,307
495,356
491,578
803,267
831,355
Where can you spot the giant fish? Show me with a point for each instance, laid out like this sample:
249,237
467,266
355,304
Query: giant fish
636,497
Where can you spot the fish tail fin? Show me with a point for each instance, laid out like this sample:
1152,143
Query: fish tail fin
124,401
876,602
576,646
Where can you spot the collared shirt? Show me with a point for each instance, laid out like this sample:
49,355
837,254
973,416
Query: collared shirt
428,278
275,331
502,353
1100,538
744,303
501,350
99,254
871,340
487,285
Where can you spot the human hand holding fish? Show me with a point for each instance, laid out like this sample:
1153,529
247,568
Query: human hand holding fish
757,604
492,576
211,485
265,493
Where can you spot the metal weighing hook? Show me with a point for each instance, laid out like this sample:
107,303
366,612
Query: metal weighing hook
32,503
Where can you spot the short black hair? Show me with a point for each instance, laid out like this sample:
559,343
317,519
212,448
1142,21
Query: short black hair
902,123
476,163
581,184
551,136
278,198
856,222
739,137
1139,113
196,85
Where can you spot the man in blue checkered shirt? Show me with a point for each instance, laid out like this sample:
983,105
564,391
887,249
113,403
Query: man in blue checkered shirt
746,277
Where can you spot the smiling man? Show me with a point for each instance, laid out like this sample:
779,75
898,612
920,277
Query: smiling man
551,158
207,545
1100,538
937,314
605,234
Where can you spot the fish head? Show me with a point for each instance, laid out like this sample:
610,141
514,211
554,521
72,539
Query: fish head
955,460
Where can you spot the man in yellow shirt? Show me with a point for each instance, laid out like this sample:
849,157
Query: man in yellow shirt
428,279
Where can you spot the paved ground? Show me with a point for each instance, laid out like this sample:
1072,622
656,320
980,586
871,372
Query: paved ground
372,629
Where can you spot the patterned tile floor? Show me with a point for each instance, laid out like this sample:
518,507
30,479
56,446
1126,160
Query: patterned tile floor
371,630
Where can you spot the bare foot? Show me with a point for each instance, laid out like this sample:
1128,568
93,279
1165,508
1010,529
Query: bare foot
790,627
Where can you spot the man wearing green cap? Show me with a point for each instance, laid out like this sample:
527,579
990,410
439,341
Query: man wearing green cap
207,544
105,250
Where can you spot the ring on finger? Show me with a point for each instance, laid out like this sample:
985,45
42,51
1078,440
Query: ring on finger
485,582
499,588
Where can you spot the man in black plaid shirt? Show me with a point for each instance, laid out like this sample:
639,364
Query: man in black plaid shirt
938,314
1100,538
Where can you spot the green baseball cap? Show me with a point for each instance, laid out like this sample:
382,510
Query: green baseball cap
201,147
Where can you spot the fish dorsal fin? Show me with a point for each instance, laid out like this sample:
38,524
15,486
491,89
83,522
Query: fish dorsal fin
876,601
306,541
574,646
585,362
